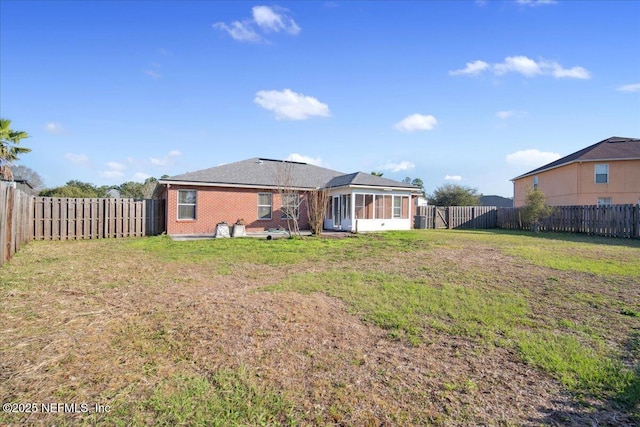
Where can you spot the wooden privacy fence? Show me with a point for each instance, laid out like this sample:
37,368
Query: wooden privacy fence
459,216
607,221
68,218
15,220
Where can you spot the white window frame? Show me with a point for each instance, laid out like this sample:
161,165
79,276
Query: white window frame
270,206
536,182
284,215
395,208
194,204
604,201
359,208
345,206
604,166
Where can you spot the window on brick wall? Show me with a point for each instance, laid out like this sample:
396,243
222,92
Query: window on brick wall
264,205
187,204
602,173
290,205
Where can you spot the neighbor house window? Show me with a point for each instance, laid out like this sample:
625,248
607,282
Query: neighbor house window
602,174
535,182
604,201
290,206
264,205
186,204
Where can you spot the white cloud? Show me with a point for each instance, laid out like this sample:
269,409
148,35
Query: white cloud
166,160
472,68
531,158
525,66
116,166
154,74
54,128
504,114
154,71
398,166
416,122
269,20
241,31
264,18
518,64
140,176
290,105
634,87
534,3
453,178
112,174
572,73
508,114
78,159
295,157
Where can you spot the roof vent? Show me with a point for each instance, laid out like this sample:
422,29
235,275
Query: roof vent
259,161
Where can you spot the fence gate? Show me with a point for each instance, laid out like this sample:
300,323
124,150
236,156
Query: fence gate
442,217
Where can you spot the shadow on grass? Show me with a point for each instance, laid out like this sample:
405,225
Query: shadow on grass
562,236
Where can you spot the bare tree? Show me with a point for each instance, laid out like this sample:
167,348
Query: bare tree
28,174
289,197
317,201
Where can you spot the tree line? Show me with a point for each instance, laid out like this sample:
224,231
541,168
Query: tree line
447,194
129,189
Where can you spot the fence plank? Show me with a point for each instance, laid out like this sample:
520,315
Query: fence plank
15,220
69,218
606,221
24,218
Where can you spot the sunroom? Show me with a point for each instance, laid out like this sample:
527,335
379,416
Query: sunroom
369,209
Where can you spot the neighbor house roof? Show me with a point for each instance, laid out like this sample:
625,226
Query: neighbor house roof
268,173
614,148
498,201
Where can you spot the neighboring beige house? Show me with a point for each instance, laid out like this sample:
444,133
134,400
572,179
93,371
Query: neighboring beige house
605,173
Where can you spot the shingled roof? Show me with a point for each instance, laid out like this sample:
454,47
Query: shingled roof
269,173
614,148
367,180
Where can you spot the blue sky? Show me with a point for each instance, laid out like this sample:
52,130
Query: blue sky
468,92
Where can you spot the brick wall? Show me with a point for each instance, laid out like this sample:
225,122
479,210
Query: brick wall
217,204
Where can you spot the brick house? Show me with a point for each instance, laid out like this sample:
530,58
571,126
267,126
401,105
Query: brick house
197,201
604,173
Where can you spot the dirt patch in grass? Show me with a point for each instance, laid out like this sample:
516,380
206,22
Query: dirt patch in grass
106,322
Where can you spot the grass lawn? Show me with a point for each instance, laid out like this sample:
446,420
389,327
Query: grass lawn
426,327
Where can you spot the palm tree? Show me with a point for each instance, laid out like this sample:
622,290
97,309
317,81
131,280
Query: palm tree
9,147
